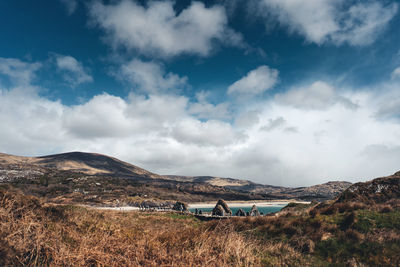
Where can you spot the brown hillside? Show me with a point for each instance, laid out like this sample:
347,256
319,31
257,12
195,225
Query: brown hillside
379,190
88,163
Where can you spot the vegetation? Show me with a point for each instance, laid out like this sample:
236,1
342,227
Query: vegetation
69,187
349,234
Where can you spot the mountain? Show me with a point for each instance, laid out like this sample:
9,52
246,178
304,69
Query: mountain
88,163
324,191
231,183
92,177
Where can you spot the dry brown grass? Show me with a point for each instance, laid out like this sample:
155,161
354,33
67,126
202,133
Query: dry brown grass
34,235
37,234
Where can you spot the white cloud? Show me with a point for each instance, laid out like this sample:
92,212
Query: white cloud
255,82
204,110
159,110
72,70
388,101
335,21
210,133
396,73
247,119
273,124
156,29
89,119
318,96
17,71
274,143
150,77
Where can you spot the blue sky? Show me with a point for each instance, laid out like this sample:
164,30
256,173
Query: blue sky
288,92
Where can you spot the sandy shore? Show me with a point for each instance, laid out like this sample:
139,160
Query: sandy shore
238,204
124,208
245,203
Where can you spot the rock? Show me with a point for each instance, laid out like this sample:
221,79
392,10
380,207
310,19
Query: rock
224,206
240,212
254,211
180,206
218,211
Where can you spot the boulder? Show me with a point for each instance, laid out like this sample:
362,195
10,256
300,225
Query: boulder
222,203
240,212
218,210
254,211
180,206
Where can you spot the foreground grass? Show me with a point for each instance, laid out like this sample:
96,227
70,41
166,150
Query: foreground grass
34,234
31,234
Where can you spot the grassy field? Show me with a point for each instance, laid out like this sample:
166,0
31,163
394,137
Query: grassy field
37,234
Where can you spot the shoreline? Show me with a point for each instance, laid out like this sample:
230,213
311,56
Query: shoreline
122,208
258,203
210,204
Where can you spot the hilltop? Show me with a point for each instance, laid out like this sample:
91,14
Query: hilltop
87,163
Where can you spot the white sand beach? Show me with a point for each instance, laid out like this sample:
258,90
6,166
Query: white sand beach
124,208
245,203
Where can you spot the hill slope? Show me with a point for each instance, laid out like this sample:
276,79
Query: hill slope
97,176
379,190
88,163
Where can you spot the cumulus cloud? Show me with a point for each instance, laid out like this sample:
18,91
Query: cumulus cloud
396,73
88,120
151,77
389,110
388,101
273,124
17,71
333,21
156,29
203,109
255,82
72,70
319,96
247,119
278,143
210,133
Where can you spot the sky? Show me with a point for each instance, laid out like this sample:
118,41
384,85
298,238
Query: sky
281,92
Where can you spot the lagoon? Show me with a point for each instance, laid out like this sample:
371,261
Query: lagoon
265,209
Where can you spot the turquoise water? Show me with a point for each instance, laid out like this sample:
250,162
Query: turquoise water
264,210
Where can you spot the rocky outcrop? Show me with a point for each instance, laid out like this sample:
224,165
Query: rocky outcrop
254,211
379,190
180,206
224,206
240,212
221,209
218,211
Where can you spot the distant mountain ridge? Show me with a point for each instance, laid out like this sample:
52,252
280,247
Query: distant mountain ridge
98,165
